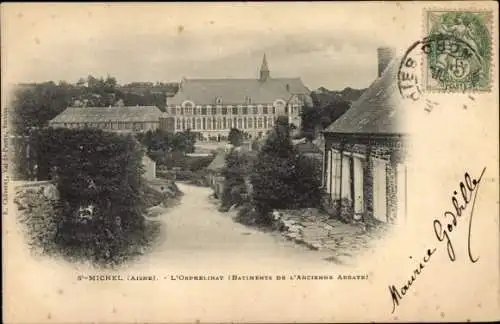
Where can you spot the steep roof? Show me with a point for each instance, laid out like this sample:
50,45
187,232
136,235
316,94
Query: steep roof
101,114
264,66
377,111
234,91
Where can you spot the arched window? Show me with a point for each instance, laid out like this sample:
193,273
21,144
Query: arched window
188,106
218,101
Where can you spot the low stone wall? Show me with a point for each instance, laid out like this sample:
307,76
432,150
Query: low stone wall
318,231
36,203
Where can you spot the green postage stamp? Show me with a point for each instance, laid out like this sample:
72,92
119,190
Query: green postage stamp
458,50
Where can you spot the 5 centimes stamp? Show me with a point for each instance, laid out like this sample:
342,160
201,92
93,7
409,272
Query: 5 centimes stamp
457,50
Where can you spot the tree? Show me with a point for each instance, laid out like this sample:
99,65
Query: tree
160,143
235,137
327,106
281,177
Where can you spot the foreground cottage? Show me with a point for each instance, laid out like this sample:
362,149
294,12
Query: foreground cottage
364,169
215,168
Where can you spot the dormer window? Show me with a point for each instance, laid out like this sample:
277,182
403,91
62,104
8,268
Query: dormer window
188,107
248,100
218,101
279,103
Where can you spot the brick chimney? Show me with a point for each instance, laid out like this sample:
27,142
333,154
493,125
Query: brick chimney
385,56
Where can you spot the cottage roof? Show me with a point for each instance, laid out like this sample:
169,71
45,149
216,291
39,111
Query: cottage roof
234,91
377,111
101,114
307,148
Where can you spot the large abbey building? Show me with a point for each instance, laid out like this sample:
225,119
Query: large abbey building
211,107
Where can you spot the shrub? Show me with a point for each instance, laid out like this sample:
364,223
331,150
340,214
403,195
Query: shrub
98,176
281,177
235,171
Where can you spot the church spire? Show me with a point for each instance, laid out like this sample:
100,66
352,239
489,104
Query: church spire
264,69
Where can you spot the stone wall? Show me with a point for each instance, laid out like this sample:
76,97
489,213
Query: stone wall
36,203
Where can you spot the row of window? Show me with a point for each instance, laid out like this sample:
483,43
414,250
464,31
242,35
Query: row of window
218,100
108,125
224,123
233,110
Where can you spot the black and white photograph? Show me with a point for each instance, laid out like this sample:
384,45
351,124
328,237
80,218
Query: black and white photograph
250,162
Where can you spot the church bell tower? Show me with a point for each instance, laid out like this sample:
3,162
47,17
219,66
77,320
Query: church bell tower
264,70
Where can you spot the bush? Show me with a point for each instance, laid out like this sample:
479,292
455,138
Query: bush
98,175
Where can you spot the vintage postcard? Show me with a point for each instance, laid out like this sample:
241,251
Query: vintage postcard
250,162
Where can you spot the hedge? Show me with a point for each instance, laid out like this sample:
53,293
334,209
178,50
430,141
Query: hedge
100,170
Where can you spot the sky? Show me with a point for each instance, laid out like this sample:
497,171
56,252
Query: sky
326,44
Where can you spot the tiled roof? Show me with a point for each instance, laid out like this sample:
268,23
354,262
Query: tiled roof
377,111
234,91
307,148
101,114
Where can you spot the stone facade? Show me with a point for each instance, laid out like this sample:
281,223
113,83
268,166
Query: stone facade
215,122
391,151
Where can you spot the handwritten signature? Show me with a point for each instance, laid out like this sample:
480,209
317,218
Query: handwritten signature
468,189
